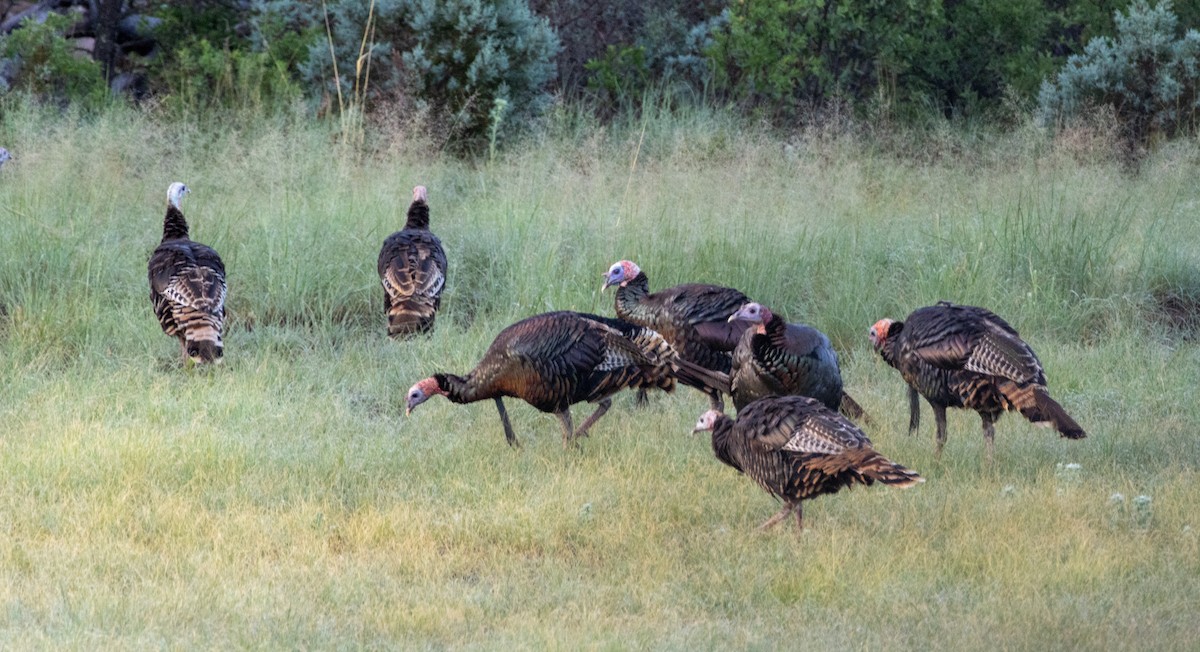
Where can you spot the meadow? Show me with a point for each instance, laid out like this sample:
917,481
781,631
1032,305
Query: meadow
282,500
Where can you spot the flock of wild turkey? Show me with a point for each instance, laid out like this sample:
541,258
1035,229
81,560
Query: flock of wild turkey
792,433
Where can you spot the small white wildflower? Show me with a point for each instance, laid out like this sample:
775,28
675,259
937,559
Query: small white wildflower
1073,466
1142,501
1116,498
1008,490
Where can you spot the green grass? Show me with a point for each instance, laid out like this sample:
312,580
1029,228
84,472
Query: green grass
283,500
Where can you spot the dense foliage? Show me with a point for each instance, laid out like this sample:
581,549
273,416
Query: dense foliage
39,60
471,63
480,71
1149,74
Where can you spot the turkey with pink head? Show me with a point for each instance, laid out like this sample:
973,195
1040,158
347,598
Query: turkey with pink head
692,317
795,448
412,270
775,358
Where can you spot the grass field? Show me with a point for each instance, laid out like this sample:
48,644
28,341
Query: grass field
283,500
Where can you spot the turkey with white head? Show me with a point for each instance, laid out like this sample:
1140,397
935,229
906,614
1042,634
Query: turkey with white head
187,286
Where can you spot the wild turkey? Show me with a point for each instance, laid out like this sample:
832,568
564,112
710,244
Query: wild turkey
554,360
795,448
4,156
965,356
775,358
187,286
412,270
693,318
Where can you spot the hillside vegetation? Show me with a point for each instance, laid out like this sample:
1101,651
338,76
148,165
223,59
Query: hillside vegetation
283,500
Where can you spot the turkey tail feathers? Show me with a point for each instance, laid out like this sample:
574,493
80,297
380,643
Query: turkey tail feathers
410,318
1036,405
694,375
879,468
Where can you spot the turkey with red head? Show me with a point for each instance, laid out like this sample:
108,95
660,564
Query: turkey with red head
795,448
555,360
412,270
187,286
968,357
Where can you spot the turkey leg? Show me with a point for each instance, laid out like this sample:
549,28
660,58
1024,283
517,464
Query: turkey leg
989,437
509,435
568,435
914,411
939,413
601,407
787,509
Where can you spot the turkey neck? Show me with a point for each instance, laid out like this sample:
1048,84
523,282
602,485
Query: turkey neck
630,297
418,216
174,226
775,326
459,389
888,351
722,444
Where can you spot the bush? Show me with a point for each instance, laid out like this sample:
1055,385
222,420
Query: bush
982,50
457,59
793,53
613,52
1148,74
46,66
208,65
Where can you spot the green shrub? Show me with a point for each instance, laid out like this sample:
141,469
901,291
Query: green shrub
453,58
1148,74
46,65
599,38
208,65
981,50
620,78
792,53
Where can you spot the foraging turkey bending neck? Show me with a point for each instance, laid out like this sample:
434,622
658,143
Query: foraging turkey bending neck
722,448
418,211
174,225
458,389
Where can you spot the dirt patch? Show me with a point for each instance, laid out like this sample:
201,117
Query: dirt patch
1178,312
